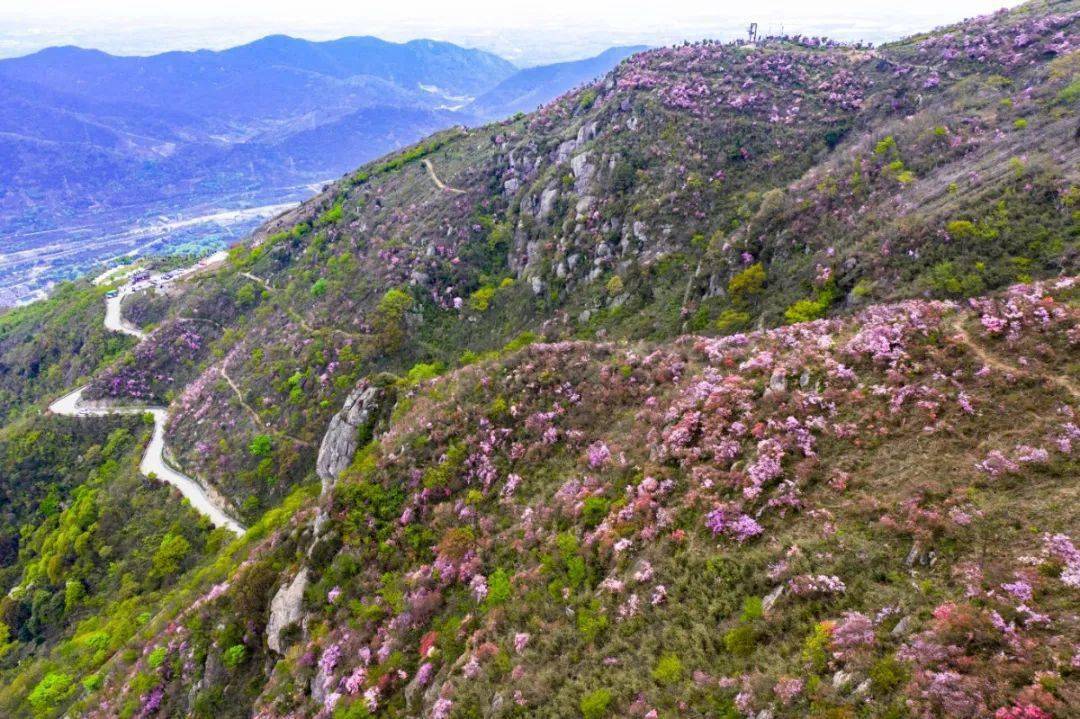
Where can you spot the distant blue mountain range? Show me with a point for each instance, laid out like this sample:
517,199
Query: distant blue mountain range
88,137
532,87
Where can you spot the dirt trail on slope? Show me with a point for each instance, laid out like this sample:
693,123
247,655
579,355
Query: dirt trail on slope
435,178
260,280
994,361
251,410
299,320
240,397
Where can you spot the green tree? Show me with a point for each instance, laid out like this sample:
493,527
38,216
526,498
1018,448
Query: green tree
74,591
388,320
49,692
170,554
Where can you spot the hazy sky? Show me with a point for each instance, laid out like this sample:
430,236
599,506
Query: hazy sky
525,32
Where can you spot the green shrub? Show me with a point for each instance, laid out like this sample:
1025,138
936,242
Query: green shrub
156,658
1070,93
74,591
521,341
331,216
740,640
170,554
669,670
745,285
499,407
587,99
862,289
49,692
318,289
355,710
245,296
260,446
480,300
439,475
422,372
887,674
753,608
815,650
960,229
499,588
944,278
591,621
234,656
732,321
594,705
804,311
885,146
389,318
594,510
210,704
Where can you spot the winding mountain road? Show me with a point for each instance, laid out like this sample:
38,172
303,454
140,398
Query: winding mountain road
114,318
153,460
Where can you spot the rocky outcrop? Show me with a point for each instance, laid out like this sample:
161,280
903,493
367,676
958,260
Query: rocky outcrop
583,172
547,200
285,609
366,406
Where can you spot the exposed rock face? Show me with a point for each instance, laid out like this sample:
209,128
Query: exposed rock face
213,674
285,608
587,132
547,200
583,172
363,409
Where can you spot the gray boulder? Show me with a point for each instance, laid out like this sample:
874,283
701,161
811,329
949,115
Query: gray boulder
358,418
285,608
547,200
583,172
